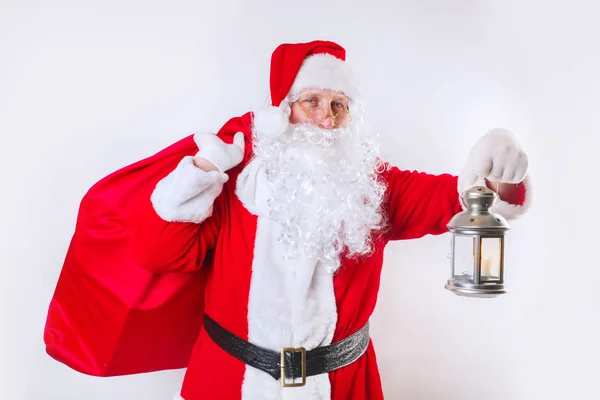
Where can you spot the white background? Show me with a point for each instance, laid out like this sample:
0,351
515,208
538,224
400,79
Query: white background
88,87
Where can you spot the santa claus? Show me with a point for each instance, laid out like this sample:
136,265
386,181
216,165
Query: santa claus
297,229
287,219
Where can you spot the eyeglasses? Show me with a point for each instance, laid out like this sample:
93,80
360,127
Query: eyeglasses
317,115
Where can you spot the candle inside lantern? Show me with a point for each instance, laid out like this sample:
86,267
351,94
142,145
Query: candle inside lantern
486,267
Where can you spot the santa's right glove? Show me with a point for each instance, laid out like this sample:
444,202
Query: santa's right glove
224,156
188,193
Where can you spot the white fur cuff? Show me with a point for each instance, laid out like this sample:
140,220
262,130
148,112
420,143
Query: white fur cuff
187,194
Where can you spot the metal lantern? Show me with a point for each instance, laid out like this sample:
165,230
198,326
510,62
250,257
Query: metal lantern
477,257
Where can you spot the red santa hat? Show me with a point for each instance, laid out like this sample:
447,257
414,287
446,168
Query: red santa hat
298,66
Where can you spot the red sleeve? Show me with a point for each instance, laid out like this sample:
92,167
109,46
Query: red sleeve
162,246
418,204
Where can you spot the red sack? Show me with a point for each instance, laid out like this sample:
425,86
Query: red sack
108,316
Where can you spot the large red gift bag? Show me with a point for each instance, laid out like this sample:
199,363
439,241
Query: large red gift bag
109,316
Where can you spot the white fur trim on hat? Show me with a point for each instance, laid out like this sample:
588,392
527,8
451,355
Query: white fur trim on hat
271,121
324,71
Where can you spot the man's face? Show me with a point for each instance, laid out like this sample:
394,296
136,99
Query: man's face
324,108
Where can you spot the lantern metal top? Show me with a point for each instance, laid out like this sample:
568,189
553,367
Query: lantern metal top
477,219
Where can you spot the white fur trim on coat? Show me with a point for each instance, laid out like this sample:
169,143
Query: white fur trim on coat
291,301
324,71
253,188
187,194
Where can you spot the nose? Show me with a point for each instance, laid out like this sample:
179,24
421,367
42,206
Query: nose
327,123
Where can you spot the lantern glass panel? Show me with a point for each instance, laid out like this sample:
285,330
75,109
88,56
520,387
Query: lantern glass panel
491,256
463,258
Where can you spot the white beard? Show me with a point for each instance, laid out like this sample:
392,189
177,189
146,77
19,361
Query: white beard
325,190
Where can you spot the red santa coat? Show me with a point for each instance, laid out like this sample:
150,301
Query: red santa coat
257,295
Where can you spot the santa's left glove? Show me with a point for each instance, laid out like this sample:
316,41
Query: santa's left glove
498,157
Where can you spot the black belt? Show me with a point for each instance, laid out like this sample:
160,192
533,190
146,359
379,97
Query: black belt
298,363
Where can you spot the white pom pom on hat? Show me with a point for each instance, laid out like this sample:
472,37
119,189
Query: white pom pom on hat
272,121
296,66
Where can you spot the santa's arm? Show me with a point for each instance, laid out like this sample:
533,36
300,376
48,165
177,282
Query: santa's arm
418,204
179,224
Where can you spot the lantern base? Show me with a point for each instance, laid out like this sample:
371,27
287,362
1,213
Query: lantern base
485,290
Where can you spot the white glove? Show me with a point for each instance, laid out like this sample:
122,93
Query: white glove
188,193
498,157
224,156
